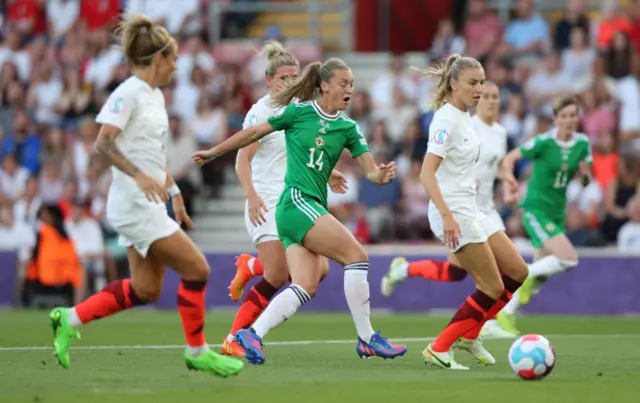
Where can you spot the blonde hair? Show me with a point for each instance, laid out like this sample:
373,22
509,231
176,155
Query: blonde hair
447,71
141,40
307,86
562,102
277,56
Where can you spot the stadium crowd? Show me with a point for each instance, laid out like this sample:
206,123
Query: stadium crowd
58,64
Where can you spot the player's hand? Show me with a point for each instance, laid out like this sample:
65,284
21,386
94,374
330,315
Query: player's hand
180,211
338,182
154,191
451,231
387,172
257,208
203,157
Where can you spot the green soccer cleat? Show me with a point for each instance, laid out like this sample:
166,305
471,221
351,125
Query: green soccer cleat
214,363
528,289
63,334
508,323
396,274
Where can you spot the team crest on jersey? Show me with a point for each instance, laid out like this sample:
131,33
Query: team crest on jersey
116,105
441,136
550,227
319,141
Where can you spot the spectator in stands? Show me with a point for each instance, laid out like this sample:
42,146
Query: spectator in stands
22,142
596,117
613,21
629,235
413,144
605,159
25,209
575,16
13,179
45,91
70,191
185,173
188,94
12,51
27,16
585,205
83,148
51,183
446,41
577,59
617,196
342,205
105,58
55,269
634,18
75,99
414,203
61,15
195,53
360,110
547,83
517,121
379,142
526,36
86,234
398,116
18,237
382,88
100,14
482,31
500,71
54,149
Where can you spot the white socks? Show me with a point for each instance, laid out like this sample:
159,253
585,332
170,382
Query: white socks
356,290
512,306
73,319
547,266
197,351
281,308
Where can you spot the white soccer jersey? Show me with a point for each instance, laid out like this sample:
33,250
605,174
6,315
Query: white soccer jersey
269,164
493,140
451,137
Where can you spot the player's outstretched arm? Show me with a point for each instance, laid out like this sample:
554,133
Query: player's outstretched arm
239,140
380,174
505,172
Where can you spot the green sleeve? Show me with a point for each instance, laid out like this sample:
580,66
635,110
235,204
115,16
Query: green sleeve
588,156
532,148
284,120
356,142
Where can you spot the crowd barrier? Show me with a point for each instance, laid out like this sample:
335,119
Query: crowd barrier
604,283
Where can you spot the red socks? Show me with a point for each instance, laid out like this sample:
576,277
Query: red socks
256,267
191,305
474,310
436,271
254,303
113,298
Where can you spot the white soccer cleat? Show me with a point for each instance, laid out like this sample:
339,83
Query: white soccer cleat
441,360
493,330
476,349
396,274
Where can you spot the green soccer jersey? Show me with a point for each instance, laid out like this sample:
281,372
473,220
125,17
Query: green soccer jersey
555,163
315,142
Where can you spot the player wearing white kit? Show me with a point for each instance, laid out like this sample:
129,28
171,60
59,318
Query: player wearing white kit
261,168
132,137
493,148
473,237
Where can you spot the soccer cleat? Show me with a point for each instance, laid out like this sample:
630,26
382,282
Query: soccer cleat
528,289
379,347
214,363
476,349
394,276
243,275
508,322
493,330
443,360
252,344
63,334
232,348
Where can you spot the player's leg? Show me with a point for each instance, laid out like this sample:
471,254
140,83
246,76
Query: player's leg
270,251
434,270
180,253
481,265
145,285
247,267
331,239
306,270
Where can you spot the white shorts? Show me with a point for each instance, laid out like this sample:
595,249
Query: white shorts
476,226
497,219
140,223
266,232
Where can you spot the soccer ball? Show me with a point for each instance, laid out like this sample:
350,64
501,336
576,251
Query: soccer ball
532,357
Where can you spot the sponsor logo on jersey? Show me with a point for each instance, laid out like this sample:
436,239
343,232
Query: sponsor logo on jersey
319,141
322,130
117,105
550,227
324,124
441,136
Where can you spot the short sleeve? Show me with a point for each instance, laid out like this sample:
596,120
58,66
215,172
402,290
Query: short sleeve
440,137
532,148
284,120
357,143
588,156
118,109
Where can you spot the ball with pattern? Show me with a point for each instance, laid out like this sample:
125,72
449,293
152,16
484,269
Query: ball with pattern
532,357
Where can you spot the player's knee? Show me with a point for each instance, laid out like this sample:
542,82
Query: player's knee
198,269
310,286
355,255
148,293
521,272
324,270
278,276
493,288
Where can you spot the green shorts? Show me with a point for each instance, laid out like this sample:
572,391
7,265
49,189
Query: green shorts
541,228
296,214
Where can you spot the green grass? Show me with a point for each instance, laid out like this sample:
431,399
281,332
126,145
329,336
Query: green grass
597,362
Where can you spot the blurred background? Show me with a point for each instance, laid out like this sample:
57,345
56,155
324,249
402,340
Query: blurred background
59,61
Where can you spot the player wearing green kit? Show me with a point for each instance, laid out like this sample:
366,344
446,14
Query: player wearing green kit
556,157
316,131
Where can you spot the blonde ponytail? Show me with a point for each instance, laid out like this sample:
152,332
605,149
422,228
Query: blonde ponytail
450,69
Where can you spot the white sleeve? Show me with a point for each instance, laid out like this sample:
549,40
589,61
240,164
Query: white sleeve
253,118
440,132
118,109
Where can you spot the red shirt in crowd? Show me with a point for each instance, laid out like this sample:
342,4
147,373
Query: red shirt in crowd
22,12
99,13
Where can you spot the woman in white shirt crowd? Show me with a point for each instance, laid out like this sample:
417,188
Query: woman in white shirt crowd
134,130
476,240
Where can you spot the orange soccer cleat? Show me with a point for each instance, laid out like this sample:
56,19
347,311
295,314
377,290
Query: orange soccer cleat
243,275
232,348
